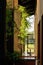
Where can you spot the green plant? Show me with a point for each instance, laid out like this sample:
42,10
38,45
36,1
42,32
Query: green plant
14,56
10,23
24,24
11,27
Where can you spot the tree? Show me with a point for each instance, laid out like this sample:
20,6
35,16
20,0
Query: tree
24,24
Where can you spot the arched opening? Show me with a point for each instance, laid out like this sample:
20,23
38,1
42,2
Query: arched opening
30,7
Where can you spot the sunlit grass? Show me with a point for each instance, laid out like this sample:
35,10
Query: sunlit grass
30,47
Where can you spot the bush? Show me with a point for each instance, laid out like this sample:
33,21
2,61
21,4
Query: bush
13,56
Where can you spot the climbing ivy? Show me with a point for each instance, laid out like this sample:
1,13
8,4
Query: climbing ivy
9,21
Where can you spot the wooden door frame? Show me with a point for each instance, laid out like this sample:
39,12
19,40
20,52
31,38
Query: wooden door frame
38,44
42,41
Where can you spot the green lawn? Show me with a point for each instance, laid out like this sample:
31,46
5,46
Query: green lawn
30,46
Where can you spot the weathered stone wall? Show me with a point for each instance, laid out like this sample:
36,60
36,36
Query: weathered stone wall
17,19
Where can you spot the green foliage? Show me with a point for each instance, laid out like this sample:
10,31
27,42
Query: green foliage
13,56
24,24
9,22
